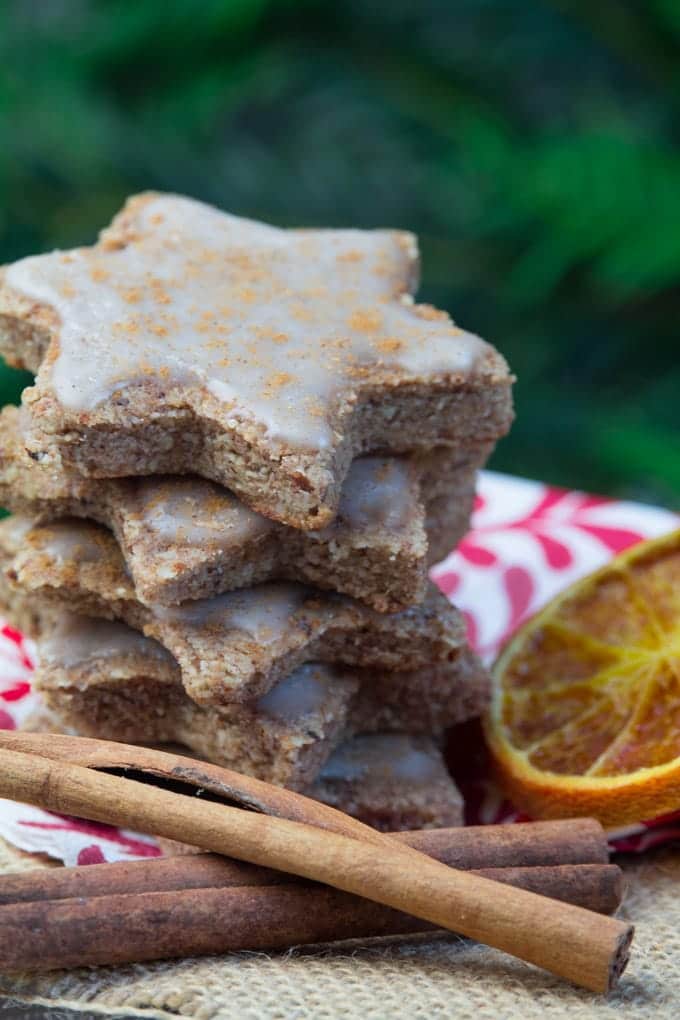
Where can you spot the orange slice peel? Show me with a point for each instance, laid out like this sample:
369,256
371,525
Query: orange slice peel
585,713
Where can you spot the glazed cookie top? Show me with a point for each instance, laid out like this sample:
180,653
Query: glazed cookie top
263,613
379,492
281,326
65,543
301,694
76,640
387,757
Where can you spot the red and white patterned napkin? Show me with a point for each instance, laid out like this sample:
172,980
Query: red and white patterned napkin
527,543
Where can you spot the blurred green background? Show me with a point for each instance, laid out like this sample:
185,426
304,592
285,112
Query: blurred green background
534,146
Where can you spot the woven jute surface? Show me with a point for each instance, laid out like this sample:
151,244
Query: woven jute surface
426,979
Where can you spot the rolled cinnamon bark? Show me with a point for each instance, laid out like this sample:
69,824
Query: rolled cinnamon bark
579,945
578,841
566,841
134,927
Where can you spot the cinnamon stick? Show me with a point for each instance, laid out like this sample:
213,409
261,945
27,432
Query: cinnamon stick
566,841
587,948
135,927
178,772
480,848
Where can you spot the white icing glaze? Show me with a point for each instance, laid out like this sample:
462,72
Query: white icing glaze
279,325
194,512
303,692
377,493
391,756
14,530
262,612
76,640
70,542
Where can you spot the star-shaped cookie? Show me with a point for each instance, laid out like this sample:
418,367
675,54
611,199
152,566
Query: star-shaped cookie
233,647
187,339
103,679
185,537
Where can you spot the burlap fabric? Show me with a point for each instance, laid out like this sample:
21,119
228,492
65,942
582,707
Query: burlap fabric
443,977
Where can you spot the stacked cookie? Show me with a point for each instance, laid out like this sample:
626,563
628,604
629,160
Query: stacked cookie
243,449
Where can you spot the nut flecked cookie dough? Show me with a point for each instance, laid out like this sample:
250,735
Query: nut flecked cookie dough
189,340
103,679
236,646
186,538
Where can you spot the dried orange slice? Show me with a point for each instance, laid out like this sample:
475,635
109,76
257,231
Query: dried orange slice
585,714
